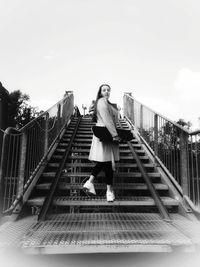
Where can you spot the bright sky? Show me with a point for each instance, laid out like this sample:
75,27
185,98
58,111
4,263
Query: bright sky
148,47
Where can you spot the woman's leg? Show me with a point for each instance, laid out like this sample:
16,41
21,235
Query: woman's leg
109,181
88,186
108,173
96,170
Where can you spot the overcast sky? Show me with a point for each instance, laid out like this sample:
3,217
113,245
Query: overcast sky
148,47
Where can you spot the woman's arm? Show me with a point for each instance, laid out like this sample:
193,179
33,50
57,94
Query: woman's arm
104,112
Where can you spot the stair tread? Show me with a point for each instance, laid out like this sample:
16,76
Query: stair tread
101,201
90,231
121,145
117,165
139,151
117,174
138,186
114,216
88,150
121,157
78,139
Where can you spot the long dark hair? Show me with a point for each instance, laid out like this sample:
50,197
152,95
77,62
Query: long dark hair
94,115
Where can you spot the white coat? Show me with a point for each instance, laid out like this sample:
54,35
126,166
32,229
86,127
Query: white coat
106,116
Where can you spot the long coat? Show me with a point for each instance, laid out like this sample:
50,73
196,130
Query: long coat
107,116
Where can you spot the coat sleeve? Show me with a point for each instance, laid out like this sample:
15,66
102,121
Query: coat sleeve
105,114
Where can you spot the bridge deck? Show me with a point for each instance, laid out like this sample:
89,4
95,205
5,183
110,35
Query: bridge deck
101,232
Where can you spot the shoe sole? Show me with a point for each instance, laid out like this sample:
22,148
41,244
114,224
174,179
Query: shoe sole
87,192
111,200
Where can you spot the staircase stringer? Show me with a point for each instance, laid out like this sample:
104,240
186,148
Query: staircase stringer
49,197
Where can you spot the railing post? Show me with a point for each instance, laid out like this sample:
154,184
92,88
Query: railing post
125,105
141,119
22,162
184,162
21,173
58,119
2,170
46,133
129,107
156,134
132,111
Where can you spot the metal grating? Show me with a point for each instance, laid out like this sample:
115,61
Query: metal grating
11,233
104,229
189,228
100,200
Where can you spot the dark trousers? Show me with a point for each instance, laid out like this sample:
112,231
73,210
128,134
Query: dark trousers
107,168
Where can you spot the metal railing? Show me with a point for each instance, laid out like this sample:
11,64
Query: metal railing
25,150
173,145
194,167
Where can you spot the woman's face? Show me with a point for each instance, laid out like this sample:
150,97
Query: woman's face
105,91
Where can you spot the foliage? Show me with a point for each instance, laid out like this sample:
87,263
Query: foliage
20,112
185,124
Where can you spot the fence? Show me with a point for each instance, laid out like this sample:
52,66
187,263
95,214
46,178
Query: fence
25,150
176,147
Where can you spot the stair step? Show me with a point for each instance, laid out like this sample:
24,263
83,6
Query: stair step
83,135
108,217
88,150
129,186
103,232
78,140
74,150
88,145
121,145
117,174
86,131
101,201
90,165
86,157
79,136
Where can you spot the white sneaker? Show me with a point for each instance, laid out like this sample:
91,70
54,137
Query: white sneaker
89,189
110,196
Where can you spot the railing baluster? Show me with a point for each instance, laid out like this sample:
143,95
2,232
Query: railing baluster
22,163
173,144
46,138
183,162
41,135
156,134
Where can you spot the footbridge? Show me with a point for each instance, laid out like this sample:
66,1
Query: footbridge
156,182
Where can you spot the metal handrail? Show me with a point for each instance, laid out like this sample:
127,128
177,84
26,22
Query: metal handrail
195,132
26,151
43,113
150,186
162,116
158,202
176,147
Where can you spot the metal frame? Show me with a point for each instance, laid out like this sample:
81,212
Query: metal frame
25,151
174,146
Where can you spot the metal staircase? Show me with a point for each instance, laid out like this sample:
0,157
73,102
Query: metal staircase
145,216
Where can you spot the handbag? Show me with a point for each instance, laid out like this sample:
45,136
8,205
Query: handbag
104,135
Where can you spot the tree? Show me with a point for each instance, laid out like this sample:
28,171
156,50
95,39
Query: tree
185,124
20,112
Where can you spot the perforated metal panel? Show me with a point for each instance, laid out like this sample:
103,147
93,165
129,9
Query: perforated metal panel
104,229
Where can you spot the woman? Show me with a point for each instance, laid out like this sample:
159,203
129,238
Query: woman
104,153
